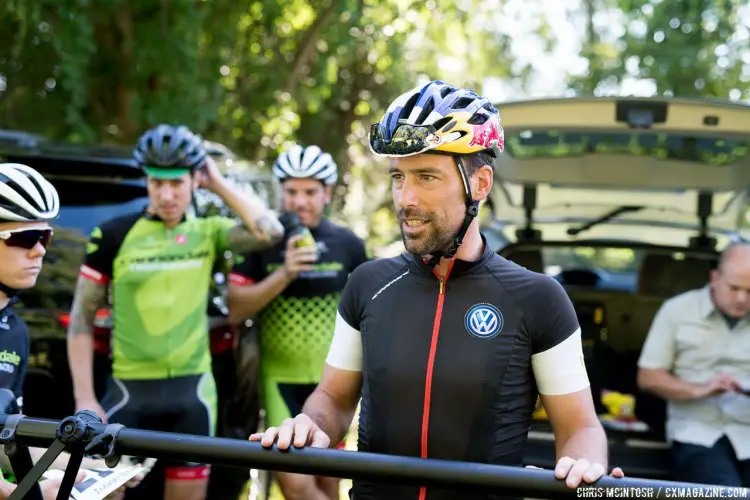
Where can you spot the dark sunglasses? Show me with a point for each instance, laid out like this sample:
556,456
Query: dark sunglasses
26,238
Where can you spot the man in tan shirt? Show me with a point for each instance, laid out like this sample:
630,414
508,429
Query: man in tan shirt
697,357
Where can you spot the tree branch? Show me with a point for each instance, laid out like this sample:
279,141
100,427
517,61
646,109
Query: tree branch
306,47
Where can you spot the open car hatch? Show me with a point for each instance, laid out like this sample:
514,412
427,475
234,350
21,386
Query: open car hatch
660,170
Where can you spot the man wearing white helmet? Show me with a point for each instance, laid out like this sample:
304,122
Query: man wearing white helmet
28,203
296,287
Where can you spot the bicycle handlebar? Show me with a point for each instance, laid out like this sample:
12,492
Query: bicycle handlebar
113,441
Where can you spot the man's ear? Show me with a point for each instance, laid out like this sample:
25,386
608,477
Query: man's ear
481,183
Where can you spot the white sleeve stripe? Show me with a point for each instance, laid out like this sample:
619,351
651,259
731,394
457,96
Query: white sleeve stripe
345,352
560,369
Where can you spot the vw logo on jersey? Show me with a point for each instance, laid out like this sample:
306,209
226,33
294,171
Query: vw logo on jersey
483,321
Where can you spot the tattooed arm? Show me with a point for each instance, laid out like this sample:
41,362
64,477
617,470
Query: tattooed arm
89,297
260,227
267,233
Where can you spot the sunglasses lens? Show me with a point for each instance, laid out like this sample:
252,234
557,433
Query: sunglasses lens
406,140
29,239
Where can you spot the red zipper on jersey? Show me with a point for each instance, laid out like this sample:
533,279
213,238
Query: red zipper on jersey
431,366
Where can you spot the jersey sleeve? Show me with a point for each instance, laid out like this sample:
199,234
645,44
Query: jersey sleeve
345,352
658,350
557,351
247,270
100,255
220,227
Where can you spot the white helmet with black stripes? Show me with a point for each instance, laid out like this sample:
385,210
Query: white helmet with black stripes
26,196
309,162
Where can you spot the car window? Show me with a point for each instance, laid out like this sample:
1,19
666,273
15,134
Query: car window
711,150
84,205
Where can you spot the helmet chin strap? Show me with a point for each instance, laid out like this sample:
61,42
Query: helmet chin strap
10,292
472,209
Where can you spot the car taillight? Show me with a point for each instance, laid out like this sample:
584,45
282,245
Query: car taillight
64,320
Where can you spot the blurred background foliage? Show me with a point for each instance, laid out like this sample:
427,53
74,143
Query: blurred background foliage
257,74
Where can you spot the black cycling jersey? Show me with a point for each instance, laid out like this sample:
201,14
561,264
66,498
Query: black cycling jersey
14,352
340,251
447,364
296,327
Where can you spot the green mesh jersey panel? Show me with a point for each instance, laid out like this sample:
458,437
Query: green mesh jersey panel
295,335
159,280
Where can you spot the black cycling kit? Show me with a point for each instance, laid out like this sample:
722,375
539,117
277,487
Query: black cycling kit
14,352
452,367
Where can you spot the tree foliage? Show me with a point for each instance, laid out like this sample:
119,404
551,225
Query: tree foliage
686,48
257,74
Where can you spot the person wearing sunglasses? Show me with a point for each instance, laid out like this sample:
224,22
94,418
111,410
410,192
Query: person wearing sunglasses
448,345
156,264
28,203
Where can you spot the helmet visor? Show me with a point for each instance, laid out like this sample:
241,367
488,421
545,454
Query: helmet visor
407,140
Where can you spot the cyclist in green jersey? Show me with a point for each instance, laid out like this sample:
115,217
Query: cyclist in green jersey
295,287
157,264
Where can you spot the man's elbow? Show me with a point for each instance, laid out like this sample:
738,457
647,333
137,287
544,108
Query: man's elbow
276,233
647,378
235,313
271,230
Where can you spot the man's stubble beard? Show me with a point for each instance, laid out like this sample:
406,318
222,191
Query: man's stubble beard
437,239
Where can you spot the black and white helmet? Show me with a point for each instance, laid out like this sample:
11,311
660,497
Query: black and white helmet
306,163
165,146
26,196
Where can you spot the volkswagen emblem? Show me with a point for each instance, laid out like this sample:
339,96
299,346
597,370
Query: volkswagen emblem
483,321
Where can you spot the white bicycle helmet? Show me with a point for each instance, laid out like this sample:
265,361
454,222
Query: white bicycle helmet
26,196
306,163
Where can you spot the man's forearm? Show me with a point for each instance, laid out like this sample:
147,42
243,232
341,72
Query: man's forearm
328,415
667,386
89,296
81,361
587,442
254,214
247,301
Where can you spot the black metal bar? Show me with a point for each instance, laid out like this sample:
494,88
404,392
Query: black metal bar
27,480
346,464
19,456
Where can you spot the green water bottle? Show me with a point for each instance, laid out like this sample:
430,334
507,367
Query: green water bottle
296,228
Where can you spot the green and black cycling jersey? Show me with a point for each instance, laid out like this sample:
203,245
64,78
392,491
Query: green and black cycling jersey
159,280
297,326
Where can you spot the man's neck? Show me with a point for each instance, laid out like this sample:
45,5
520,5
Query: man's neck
471,249
169,224
4,300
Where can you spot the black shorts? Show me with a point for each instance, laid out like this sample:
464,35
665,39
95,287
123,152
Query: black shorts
186,405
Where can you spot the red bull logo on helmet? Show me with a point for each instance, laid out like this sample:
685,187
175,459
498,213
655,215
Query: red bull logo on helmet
487,134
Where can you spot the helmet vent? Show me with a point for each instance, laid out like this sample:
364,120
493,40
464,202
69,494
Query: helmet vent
462,103
426,110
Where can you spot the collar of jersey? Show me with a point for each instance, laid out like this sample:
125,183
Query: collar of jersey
460,267
149,216
12,301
